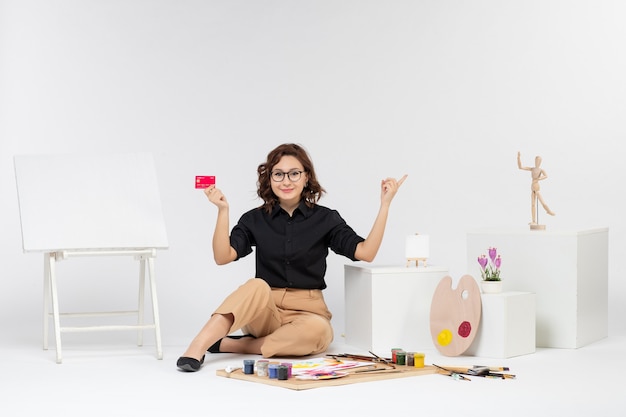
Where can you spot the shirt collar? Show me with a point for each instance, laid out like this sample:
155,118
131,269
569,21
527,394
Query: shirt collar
302,208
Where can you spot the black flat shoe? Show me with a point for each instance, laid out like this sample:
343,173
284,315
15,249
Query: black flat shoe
187,364
215,347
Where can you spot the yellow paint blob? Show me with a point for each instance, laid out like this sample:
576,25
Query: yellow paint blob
445,337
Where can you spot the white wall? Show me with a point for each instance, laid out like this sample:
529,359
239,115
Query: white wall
446,91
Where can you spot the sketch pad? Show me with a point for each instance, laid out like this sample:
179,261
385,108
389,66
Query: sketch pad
353,378
89,201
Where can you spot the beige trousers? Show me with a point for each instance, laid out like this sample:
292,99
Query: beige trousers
294,322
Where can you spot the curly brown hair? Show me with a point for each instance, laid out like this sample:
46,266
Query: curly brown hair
312,191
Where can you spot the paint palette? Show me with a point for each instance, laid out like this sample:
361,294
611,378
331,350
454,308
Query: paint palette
455,315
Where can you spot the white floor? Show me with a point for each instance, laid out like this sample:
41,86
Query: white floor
121,380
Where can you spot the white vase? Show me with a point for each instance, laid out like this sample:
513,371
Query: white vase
491,287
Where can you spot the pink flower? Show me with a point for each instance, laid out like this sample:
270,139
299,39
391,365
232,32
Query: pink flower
482,260
490,267
492,254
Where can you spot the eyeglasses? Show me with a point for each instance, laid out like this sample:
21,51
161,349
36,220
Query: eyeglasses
279,176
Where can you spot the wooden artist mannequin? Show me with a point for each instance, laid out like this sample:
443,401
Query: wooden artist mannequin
537,174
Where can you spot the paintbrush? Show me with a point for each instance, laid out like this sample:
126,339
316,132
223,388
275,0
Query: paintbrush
385,361
476,369
375,358
494,368
479,371
455,375
378,370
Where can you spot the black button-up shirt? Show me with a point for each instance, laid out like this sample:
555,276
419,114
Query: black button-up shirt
291,251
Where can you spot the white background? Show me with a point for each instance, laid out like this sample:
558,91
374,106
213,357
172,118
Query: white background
445,91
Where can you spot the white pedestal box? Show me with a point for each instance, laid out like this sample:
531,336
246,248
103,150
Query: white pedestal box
389,307
568,272
507,326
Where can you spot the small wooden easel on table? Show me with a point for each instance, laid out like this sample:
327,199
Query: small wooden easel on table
417,249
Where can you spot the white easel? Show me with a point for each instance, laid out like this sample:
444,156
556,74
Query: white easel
86,206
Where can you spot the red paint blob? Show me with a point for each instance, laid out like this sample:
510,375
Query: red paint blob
465,329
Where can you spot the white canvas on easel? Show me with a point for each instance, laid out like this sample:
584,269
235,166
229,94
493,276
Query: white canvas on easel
91,205
89,201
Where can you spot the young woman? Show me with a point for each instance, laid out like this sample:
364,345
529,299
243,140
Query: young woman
282,311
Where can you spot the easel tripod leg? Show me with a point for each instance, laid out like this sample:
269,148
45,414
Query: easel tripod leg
46,299
140,312
155,308
55,306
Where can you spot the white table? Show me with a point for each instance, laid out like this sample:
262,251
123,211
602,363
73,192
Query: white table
568,272
507,326
389,306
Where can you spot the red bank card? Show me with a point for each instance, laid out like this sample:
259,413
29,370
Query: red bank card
203,181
